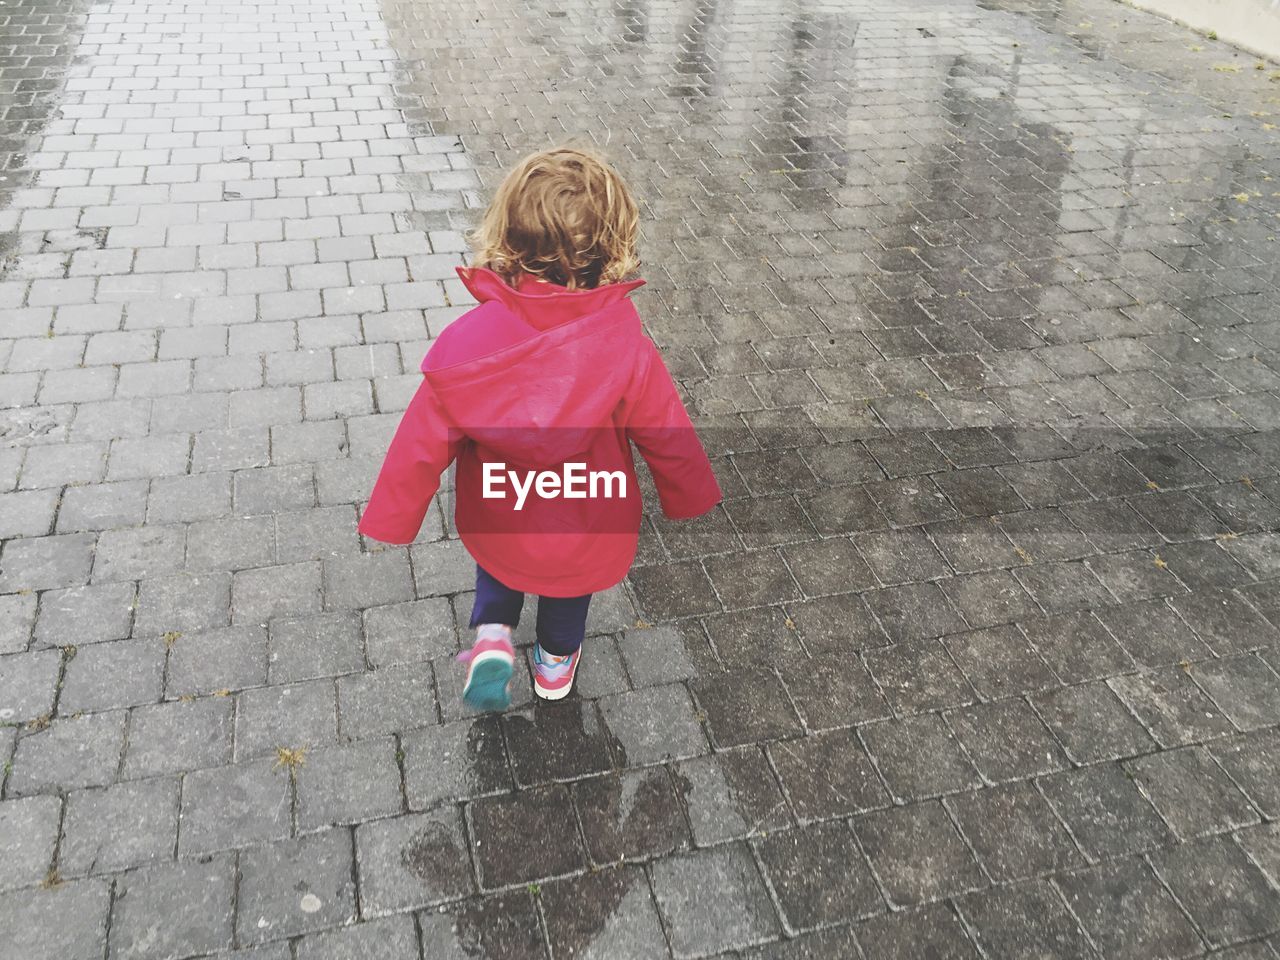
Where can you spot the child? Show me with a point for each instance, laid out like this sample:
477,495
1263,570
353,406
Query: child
537,393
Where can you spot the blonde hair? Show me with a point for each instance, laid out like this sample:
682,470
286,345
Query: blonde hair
562,215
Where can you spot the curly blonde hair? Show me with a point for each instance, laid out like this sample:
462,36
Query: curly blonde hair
563,215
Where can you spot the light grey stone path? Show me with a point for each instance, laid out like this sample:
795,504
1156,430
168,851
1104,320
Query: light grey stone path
978,309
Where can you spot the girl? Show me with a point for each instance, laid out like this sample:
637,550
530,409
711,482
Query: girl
538,393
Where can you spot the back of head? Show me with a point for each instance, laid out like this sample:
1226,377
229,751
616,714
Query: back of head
561,215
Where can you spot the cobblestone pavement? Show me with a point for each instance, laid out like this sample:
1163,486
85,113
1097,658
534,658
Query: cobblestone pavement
978,307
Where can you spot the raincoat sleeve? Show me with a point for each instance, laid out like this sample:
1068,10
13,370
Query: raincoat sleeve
656,422
422,449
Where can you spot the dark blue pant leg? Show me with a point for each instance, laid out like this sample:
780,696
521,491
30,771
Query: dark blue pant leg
495,601
562,623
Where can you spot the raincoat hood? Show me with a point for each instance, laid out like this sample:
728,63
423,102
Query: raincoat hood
532,371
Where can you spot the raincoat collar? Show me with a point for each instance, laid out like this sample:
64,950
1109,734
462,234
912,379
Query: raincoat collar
542,305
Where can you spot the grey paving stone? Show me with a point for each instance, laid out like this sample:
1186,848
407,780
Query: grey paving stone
237,805
832,691
1172,708
102,506
1013,832
1153,634
295,887
1191,792
916,854
173,737
1262,844
560,741
183,603
30,826
142,553
1077,647
211,661
454,761
348,783
395,938
1128,912
170,909
237,448
85,615
67,922
270,490
389,700
504,832
919,675
411,862
607,914
178,499
632,816
367,581
121,826
317,533
918,757
28,685
828,775
1225,622
1026,920
998,662
231,544
104,676
744,707
1249,761
730,795
914,611
445,567
601,673
655,656
17,614
742,638
263,593
303,648
53,466
1225,893
712,900
818,875
1104,810
652,725
1092,723
46,563
502,926
933,930
28,513
409,632
69,753
294,716
1006,740
1244,688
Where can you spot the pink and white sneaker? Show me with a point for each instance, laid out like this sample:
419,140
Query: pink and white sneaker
490,663
552,675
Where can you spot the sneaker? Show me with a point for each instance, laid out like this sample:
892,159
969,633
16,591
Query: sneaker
552,675
490,663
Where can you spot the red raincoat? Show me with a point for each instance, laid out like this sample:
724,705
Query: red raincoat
533,379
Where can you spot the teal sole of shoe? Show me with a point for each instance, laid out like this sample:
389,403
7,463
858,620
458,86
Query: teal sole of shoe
488,689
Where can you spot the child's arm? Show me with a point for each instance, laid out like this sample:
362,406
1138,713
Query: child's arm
659,426
422,449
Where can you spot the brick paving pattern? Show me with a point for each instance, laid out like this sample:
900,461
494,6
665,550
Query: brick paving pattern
978,309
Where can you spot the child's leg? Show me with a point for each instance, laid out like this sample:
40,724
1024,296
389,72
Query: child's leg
491,658
495,602
562,623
